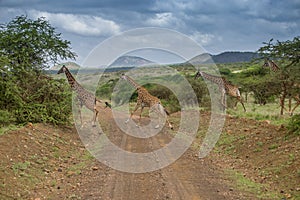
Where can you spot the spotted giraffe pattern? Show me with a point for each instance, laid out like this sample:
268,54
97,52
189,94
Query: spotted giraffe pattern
225,87
85,97
145,99
271,64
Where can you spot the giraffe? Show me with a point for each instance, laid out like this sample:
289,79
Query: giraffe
145,99
85,97
275,68
225,87
271,64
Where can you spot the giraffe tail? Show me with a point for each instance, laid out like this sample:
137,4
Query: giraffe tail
162,109
107,104
167,112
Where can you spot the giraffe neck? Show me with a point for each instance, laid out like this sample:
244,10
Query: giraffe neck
273,66
73,83
133,83
214,79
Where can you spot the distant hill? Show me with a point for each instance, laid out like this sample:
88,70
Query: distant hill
202,59
70,65
225,57
232,57
206,58
130,61
73,67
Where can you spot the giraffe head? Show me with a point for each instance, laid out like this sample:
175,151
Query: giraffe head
123,76
62,69
198,74
266,63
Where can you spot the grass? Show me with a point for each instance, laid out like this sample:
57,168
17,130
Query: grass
245,184
10,127
20,166
270,111
76,169
273,146
225,143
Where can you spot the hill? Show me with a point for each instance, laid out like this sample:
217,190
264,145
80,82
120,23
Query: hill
225,57
130,61
233,57
70,65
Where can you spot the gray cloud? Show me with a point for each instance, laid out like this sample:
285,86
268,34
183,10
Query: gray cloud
85,25
217,25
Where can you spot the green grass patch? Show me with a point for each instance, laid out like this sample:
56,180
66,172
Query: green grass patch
226,139
266,112
20,166
225,143
76,169
7,128
245,184
85,159
273,146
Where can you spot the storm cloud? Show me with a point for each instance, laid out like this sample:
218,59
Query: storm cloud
233,25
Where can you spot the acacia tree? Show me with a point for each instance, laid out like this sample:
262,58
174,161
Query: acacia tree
287,55
27,94
32,44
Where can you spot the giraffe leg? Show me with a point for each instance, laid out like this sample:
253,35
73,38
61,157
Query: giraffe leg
161,113
135,109
139,123
79,112
235,105
95,117
223,101
155,108
243,106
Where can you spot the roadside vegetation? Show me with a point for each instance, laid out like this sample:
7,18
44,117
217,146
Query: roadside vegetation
27,94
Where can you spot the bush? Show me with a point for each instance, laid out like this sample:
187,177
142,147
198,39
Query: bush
5,117
35,99
105,90
294,125
168,99
27,95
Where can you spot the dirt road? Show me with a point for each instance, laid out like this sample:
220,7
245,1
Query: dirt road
46,162
188,178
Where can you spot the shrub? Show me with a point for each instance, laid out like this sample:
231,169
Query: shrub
27,95
42,100
294,124
105,90
168,99
5,117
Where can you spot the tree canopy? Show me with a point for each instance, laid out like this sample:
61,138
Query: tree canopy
32,44
284,50
287,55
27,94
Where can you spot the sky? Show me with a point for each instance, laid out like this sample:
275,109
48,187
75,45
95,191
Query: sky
218,26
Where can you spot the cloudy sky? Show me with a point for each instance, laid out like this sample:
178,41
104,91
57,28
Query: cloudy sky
218,26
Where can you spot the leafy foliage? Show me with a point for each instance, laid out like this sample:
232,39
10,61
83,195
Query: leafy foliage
287,55
286,50
27,94
32,44
105,90
294,124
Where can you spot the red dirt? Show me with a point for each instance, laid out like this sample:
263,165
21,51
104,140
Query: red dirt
47,162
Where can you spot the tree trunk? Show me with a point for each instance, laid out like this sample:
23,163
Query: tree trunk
283,96
290,102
